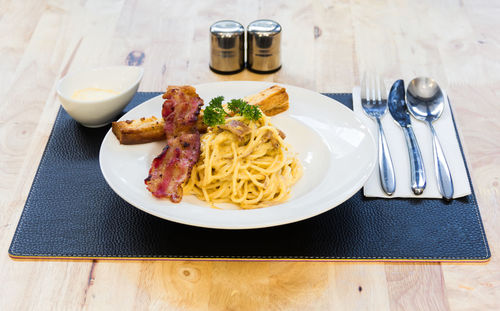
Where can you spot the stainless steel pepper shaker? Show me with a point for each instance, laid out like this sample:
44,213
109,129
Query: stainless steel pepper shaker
264,46
227,47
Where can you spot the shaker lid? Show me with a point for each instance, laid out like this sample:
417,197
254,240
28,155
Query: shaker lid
226,27
264,26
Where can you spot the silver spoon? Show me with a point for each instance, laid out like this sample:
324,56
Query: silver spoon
425,101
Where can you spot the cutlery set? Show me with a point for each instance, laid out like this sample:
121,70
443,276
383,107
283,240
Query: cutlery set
425,101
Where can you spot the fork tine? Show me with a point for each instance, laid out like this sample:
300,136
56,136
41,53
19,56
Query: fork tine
372,89
383,89
377,88
367,86
364,87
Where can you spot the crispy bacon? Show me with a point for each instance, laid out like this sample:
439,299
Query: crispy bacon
180,110
173,166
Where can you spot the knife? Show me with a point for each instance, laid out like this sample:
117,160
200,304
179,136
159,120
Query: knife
399,112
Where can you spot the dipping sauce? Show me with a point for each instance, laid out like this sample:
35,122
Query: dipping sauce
92,93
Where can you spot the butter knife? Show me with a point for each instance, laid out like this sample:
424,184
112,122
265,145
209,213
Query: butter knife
399,112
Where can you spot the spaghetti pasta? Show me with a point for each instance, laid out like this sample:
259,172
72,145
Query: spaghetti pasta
248,164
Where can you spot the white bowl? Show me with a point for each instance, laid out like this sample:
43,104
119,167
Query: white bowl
95,97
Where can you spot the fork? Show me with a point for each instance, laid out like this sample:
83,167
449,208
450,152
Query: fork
374,103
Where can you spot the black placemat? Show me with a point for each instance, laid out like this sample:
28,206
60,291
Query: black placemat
72,213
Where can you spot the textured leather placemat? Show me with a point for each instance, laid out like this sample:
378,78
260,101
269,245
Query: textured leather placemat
72,213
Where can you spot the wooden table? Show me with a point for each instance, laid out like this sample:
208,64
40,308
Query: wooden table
326,46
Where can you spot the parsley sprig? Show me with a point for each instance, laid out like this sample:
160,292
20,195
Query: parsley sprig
215,114
240,107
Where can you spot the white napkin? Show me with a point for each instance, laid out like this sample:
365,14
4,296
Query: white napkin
399,153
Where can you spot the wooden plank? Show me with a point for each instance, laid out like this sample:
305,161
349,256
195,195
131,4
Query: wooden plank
416,287
357,286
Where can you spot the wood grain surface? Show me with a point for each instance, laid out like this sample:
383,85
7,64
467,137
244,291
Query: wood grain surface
326,46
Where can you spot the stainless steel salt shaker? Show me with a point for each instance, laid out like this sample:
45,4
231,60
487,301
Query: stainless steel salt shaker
264,46
227,51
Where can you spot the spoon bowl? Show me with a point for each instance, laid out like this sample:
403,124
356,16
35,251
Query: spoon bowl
425,100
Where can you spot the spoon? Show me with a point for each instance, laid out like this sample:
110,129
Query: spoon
425,101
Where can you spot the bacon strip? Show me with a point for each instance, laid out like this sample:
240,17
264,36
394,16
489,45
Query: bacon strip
180,110
172,167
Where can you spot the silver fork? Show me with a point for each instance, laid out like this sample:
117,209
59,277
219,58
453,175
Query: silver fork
374,103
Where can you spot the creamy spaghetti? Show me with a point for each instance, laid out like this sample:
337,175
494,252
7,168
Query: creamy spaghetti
244,162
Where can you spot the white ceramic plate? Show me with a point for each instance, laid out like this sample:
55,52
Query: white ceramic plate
335,148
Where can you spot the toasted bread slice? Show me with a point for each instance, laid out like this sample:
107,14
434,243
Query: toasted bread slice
271,101
143,130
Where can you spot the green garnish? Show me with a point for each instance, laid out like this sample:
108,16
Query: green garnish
237,105
214,114
241,107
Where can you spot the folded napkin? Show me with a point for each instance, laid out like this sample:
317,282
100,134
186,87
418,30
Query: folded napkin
445,130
